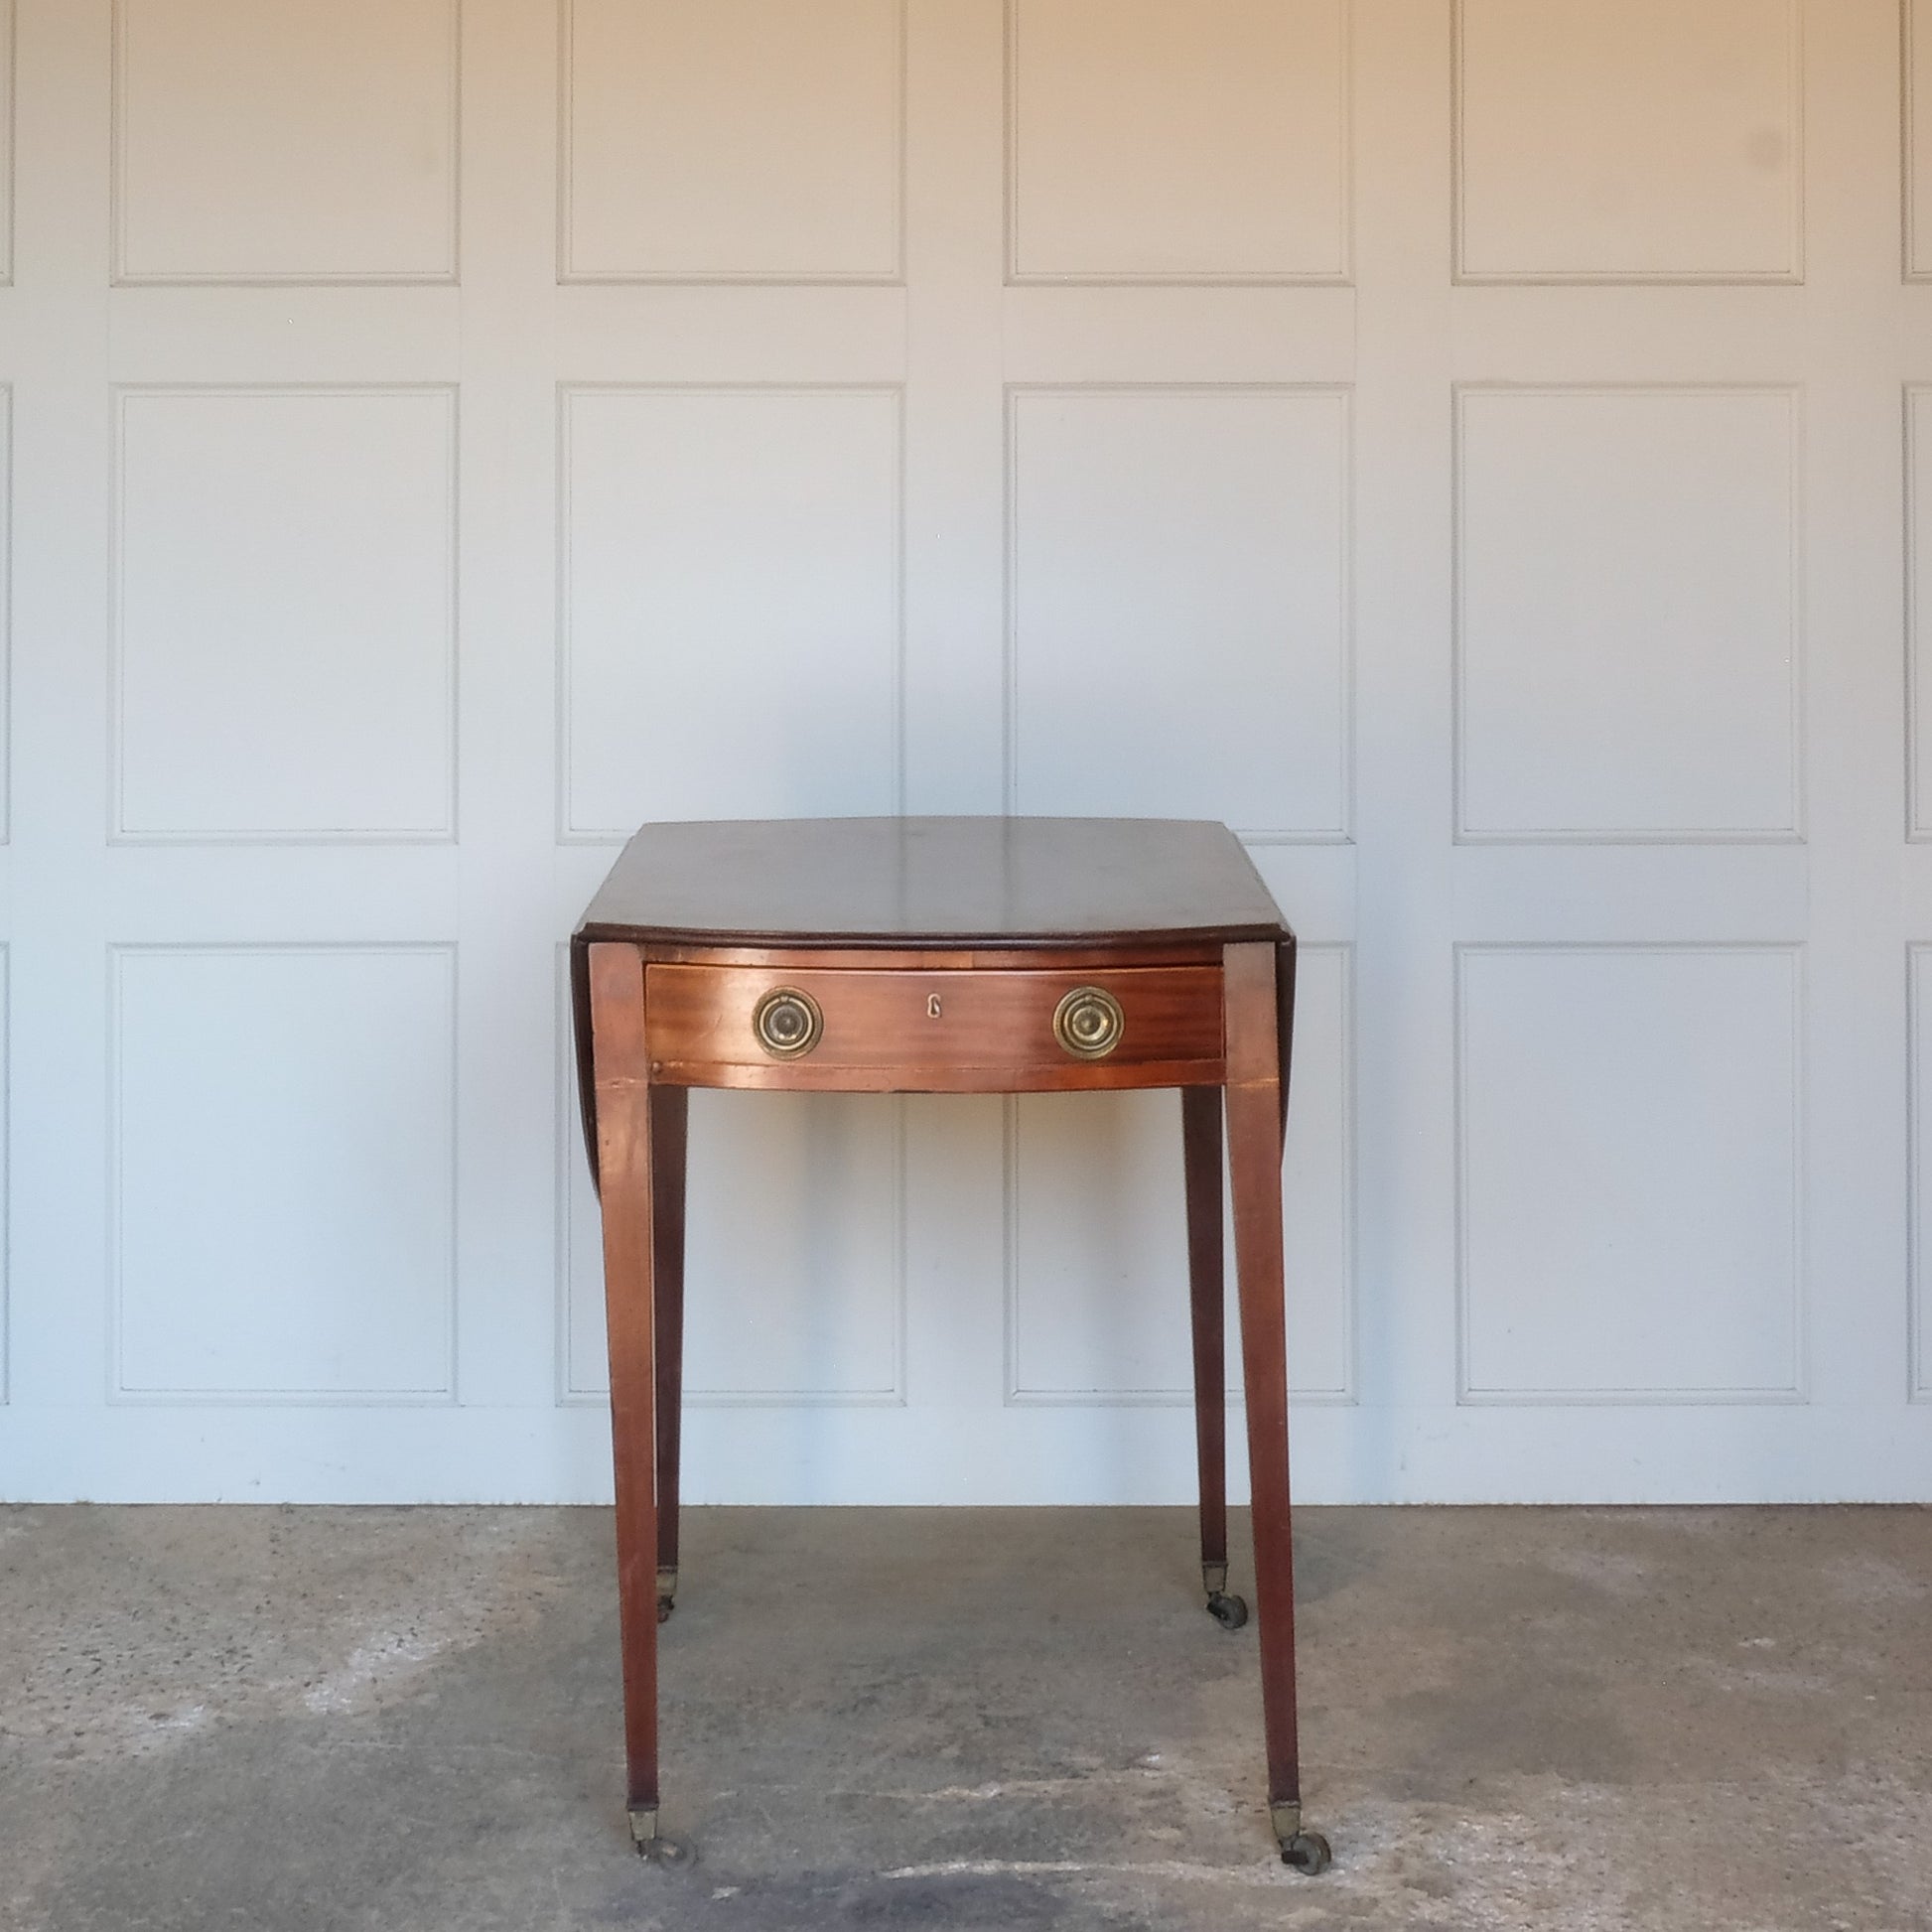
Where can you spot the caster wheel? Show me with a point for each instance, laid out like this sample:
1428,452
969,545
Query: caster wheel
1307,1853
673,1854
665,1605
1230,1612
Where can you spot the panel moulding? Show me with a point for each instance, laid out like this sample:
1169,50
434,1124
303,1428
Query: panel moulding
1915,137
569,833
445,274
6,608
1792,272
1918,1297
1340,275
6,1171
1918,605
9,144
1468,1394
1342,834
1466,834
118,832
889,274
445,1394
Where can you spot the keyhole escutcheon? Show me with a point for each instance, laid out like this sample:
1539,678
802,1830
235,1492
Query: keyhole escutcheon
933,1006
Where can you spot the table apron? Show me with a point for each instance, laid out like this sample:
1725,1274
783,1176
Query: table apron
932,1031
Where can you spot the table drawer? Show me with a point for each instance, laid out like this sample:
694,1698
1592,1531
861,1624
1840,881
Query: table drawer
1067,1027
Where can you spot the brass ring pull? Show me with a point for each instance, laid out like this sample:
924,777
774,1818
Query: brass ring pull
787,1022
1088,1022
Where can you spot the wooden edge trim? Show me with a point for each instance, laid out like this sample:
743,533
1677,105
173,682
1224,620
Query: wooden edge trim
934,959
664,942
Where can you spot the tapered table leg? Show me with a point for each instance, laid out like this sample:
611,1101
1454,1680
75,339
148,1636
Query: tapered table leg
1200,1135
669,1113
624,1168
1255,1127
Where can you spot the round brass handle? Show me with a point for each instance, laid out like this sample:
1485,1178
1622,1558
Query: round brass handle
787,1022
1088,1022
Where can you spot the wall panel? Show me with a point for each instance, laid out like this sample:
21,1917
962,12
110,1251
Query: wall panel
9,38
1178,587
283,141
285,614
6,1170
1178,140
283,1173
1917,138
740,141
1918,605
1629,1134
732,612
1918,995
1629,140
1628,613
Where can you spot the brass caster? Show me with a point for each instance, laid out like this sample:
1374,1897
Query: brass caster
666,1593
650,1844
1306,1853
1230,1612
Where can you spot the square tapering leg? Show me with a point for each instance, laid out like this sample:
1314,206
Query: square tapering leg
669,1115
626,1172
1200,1134
1255,1115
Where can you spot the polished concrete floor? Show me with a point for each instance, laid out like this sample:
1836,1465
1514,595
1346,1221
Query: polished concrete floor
1564,1719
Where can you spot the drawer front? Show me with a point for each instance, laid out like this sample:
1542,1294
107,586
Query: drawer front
1065,1027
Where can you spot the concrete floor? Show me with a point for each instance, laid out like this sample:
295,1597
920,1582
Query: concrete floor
965,1720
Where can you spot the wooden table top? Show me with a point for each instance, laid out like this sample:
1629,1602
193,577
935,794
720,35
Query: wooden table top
999,882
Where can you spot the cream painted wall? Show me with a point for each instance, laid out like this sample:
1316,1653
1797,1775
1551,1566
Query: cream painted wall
1480,449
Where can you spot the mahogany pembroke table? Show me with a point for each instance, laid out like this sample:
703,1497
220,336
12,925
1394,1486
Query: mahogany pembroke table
939,955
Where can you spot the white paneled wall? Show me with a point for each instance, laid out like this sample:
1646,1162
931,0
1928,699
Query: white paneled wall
1479,449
